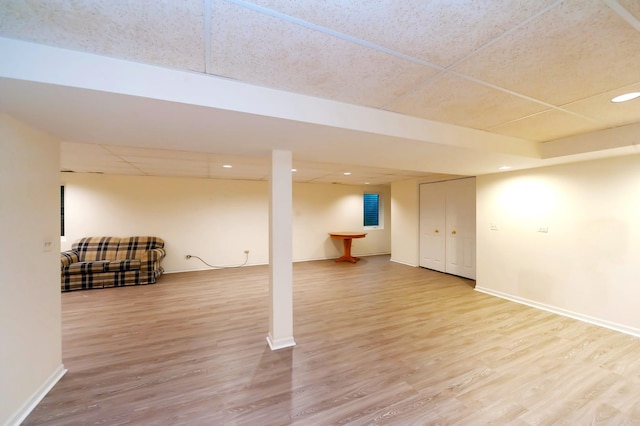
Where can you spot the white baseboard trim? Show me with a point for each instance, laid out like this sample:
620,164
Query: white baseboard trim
206,268
564,312
179,271
382,253
403,263
309,259
35,399
286,342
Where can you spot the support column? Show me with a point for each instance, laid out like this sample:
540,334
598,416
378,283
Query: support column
280,252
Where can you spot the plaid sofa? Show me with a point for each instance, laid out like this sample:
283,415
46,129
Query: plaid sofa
98,262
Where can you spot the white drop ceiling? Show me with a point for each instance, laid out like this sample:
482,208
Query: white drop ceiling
92,158
534,71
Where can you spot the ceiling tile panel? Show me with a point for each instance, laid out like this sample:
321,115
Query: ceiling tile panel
546,126
242,168
601,108
96,165
451,99
565,55
217,160
166,33
250,46
80,157
152,162
87,149
151,165
632,6
127,151
340,178
177,172
239,173
308,177
77,163
437,31
308,171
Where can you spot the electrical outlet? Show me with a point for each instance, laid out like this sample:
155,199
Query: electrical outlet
543,229
47,245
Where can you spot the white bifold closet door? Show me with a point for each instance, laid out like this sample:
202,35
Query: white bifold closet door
433,216
448,227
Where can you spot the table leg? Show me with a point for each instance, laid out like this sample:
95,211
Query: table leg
346,257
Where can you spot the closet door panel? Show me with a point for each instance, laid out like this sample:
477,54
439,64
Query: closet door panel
469,254
432,226
448,227
461,227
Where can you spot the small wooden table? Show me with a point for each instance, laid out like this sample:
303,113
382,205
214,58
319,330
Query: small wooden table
347,237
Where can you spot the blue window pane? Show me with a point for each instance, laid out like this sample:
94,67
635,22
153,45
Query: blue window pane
371,209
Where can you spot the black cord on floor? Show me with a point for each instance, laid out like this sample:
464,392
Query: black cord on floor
189,256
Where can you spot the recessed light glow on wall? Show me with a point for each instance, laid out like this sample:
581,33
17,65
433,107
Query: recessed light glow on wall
504,167
227,166
626,97
294,170
346,173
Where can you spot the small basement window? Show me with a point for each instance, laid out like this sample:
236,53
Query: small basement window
62,210
372,212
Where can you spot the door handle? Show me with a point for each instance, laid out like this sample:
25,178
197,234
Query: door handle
453,232
437,231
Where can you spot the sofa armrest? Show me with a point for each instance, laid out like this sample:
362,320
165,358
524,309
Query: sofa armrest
153,255
68,257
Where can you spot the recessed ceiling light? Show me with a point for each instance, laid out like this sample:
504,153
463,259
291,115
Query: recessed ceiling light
346,173
294,170
504,167
626,97
366,183
227,166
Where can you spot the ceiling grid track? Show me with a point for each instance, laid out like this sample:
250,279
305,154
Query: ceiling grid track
623,13
119,157
449,68
337,34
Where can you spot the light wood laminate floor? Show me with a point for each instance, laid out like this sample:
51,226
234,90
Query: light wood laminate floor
377,343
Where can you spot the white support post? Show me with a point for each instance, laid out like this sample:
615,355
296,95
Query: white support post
280,252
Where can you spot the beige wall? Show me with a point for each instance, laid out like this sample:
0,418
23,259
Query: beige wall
217,219
322,208
587,265
30,319
405,222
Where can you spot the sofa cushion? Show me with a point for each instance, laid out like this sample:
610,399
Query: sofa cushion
135,247
68,257
85,267
122,265
96,248
98,266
